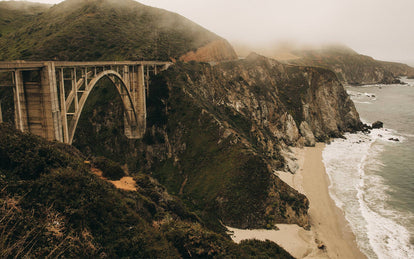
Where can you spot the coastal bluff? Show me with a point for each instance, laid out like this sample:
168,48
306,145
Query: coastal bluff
218,129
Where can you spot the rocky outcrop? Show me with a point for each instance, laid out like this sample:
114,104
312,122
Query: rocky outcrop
216,51
377,125
327,108
306,132
290,129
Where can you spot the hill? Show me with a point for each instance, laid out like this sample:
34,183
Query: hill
51,205
107,30
15,14
351,67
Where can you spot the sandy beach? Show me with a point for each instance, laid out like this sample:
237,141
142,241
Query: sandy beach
330,235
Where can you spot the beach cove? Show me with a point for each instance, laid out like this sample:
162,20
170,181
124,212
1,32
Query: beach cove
330,235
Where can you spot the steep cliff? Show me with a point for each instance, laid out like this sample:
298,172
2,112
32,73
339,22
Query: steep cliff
350,67
216,134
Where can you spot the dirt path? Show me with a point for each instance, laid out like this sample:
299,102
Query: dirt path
126,183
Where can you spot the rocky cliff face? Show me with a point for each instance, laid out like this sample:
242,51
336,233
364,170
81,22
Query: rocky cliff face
398,69
352,68
216,51
217,133
279,98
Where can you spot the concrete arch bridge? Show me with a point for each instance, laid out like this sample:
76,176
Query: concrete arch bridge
49,96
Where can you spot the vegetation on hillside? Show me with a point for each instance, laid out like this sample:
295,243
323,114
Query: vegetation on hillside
104,30
51,205
110,169
205,153
351,67
15,14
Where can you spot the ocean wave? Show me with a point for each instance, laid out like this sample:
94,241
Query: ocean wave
362,97
355,101
387,135
369,94
363,195
407,135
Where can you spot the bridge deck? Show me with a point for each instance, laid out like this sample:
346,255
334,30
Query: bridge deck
34,65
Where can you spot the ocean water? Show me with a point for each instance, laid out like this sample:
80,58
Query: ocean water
372,177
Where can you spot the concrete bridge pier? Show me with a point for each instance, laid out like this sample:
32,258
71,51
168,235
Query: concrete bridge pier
52,121
1,114
36,104
20,106
137,82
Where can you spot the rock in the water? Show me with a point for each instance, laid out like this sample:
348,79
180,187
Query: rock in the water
377,125
307,133
394,139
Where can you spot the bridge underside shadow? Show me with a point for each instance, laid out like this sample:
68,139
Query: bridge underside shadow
49,97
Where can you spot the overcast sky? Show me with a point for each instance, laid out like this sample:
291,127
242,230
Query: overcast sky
383,29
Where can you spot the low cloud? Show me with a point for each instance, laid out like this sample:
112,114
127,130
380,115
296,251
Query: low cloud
379,28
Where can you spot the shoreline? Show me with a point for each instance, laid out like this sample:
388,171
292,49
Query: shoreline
329,228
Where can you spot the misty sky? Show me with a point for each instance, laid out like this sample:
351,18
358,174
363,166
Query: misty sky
383,29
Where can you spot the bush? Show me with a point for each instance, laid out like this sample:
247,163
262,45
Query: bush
263,249
110,169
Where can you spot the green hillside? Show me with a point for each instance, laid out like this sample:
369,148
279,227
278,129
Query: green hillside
79,30
16,14
51,205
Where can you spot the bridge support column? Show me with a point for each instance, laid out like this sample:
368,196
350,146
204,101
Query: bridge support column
20,105
135,82
54,102
141,101
44,117
1,114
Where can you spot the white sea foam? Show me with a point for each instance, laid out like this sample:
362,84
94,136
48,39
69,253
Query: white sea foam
351,164
362,102
369,94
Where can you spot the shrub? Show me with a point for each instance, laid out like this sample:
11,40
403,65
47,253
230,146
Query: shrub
110,169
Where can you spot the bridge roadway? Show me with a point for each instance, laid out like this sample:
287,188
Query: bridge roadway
49,96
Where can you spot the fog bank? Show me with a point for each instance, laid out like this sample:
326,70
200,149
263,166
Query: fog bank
379,28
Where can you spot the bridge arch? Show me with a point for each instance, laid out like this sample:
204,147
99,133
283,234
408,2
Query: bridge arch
130,113
51,106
